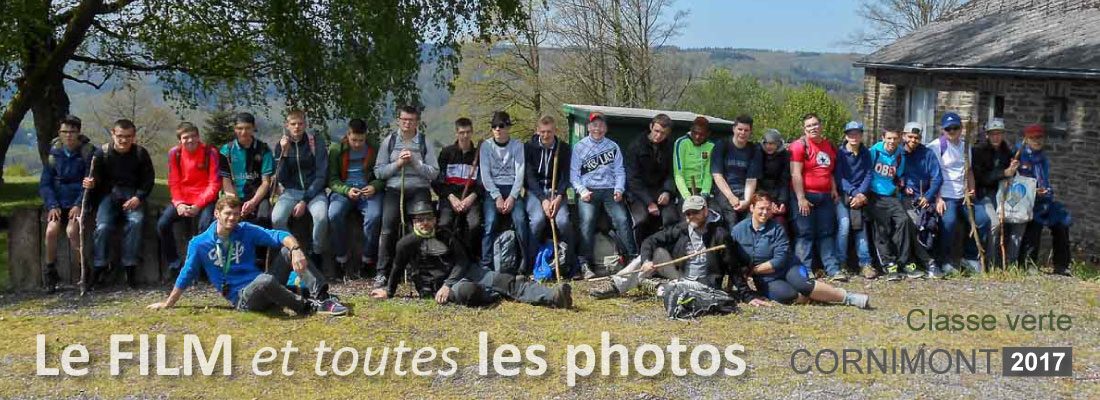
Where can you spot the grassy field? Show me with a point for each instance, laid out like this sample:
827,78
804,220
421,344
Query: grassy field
769,335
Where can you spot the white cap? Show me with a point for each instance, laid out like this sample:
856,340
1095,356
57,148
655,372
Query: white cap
909,127
995,124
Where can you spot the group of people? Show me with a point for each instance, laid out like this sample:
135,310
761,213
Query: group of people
719,212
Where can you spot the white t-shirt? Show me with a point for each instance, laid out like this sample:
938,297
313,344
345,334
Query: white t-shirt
952,166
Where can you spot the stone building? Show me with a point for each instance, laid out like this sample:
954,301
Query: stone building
1026,61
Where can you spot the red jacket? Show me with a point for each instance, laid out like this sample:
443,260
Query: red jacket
193,177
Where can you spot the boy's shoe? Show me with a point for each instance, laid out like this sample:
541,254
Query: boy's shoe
131,276
563,297
935,272
1063,271
604,290
52,279
912,272
839,277
973,267
586,271
949,269
892,273
329,306
379,281
869,272
858,300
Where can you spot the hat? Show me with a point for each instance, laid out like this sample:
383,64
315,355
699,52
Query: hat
853,126
501,118
773,136
420,208
1034,131
693,203
995,124
597,115
950,119
913,127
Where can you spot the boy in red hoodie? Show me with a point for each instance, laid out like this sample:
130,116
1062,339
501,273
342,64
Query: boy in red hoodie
194,184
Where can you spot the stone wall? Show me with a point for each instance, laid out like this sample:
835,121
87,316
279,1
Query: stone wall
1074,151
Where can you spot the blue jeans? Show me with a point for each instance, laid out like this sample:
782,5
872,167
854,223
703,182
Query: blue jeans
167,237
109,210
620,221
539,222
519,222
955,213
318,209
371,210
817,229
844,230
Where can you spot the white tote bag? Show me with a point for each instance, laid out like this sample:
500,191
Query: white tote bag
1018,199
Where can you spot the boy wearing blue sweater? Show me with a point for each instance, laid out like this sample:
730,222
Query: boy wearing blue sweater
853,177
597,174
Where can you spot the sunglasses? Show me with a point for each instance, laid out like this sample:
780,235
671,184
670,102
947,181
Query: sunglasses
423,219
499,126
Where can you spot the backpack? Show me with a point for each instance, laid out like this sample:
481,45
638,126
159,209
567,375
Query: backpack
423,144
544,262
684,299
507,254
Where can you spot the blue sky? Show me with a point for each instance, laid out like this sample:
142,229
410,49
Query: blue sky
809,25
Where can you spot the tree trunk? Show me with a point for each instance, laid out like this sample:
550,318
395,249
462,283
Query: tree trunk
53,106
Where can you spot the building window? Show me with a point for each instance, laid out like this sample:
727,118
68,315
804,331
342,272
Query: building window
1057,116
921,107
996,105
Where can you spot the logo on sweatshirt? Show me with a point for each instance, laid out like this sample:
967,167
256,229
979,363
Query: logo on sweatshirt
598,160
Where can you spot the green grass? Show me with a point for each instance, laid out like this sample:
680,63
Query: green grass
769,335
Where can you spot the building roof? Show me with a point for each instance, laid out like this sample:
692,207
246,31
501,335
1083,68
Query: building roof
1018,37
639,113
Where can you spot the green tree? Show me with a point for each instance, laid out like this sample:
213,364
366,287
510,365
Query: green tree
331,57
219,126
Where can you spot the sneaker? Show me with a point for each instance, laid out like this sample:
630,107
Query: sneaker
1064,271
341,272
973,267
935,272
379,281
912,272
604,290
858,300
949,269
586,271
563,297
328,306
869,272
839,277
52,279
892,274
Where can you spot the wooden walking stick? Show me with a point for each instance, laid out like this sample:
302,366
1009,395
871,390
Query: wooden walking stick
1001,210
271,197
80,227
967,199
553,218
675,261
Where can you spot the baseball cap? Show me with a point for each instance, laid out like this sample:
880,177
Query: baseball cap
693,203
1034,131
913,127
950,119
597,115
853,126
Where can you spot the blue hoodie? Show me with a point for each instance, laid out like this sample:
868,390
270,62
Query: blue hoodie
306,165
597,165
885,169
853,171
62,177
923,172
201,253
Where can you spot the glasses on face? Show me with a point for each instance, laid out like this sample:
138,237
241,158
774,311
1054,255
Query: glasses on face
499,126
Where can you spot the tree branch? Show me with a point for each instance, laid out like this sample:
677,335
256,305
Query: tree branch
127,65
109,8
98,86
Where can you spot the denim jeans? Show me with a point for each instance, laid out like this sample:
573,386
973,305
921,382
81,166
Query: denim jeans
954,214
371,210
620,221
519,222
816,230
167,238
844,231
106,215
269,289
318,209
538,222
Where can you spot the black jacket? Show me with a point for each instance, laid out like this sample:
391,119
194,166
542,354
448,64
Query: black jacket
540,162
989,167
453,172
428,272
722,262
776,175
122,175
649,170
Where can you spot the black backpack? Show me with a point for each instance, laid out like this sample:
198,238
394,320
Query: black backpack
685,299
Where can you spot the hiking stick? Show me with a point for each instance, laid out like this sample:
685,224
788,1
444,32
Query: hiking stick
967,199
553,219
466,187
271,197
80,228
1001,211
675,261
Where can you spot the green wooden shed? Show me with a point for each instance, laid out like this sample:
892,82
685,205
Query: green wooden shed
624,125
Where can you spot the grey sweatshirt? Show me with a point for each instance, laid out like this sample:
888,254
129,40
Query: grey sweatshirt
419,173
501,166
